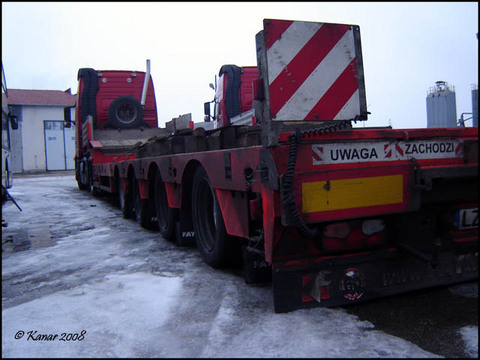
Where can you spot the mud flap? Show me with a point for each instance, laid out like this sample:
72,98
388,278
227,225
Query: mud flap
345,281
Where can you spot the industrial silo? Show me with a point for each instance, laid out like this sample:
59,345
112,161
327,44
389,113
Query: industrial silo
441,106
475,105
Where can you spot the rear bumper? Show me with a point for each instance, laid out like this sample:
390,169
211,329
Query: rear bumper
353,279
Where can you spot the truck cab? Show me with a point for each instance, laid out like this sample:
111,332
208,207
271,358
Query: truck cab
9,120
114,110
233,95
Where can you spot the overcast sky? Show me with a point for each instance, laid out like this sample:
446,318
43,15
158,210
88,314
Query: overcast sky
406,47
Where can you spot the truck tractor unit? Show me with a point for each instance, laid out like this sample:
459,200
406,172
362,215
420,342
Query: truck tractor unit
278,179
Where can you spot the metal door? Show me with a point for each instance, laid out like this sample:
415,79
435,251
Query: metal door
69,136
54,145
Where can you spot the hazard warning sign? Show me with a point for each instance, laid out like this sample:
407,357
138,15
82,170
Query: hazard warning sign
314,71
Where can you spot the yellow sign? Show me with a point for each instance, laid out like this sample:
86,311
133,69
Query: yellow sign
351,193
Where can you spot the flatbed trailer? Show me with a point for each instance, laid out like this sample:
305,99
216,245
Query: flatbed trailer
332,213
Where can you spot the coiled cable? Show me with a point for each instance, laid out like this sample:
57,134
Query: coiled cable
288,193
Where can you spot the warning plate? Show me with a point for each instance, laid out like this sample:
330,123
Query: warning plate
348,152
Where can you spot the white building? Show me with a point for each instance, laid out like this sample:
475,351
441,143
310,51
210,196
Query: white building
41,142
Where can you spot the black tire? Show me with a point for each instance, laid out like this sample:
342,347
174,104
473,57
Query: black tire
124,200
93,190
82,186
86,176
125,112
165,214
210,233
140,207
81,175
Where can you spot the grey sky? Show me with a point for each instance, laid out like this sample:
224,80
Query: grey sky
406,47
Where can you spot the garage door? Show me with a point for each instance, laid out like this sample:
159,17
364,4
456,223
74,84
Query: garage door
59,145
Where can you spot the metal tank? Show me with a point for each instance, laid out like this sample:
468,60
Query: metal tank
441,106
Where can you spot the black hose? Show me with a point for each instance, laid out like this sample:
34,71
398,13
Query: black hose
288,194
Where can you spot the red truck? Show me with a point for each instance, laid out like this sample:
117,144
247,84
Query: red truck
281,181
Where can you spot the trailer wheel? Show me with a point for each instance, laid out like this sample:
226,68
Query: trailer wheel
165,214
210,232
125,112
140,207
124,200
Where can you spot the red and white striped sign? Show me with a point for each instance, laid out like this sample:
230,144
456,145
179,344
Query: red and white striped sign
312,71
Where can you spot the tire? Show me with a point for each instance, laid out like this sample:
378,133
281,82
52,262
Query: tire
165,214
210,232
79,176
125,112
82,176
81,186
85,176
93,190
140,207
124,200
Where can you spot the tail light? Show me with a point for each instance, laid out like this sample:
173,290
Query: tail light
370,227
337,230
353,235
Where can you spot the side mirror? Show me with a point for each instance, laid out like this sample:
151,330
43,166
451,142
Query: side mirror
67,117
13,122
206,110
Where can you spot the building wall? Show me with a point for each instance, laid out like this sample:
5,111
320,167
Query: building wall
33,139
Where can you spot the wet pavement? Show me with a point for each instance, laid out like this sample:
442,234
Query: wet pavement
433,319
430,318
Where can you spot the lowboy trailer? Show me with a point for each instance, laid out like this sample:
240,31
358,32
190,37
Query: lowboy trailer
279,179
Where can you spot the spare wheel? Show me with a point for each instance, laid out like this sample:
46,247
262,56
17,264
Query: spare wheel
125,112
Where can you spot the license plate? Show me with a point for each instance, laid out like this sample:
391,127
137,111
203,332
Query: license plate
466,219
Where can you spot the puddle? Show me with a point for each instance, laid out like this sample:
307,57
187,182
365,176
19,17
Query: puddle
31,238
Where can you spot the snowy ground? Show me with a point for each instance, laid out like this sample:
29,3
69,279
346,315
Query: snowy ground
123,291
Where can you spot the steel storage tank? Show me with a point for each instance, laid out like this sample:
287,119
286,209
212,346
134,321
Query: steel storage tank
441,106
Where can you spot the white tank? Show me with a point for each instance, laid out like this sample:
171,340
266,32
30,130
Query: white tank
441,106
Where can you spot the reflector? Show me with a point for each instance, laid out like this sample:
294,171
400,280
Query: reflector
373,226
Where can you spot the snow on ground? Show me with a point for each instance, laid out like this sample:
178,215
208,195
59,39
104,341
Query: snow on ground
115,317
126,292
470,338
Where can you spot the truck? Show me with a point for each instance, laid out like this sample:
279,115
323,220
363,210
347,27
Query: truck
9,121
277,178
